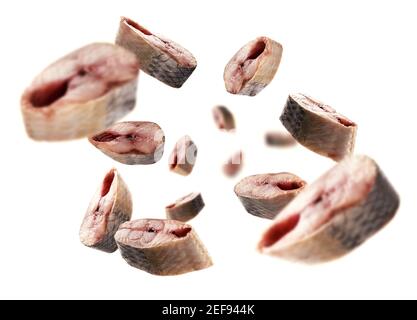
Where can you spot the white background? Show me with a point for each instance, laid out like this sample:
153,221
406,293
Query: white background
359,57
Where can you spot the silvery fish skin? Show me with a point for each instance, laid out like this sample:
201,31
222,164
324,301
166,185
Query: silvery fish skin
109,208
319,127
279,139
185,208
253,67
131,142
265,195
183,157
159,57
162,247
81,93
333,215
234,164
223,118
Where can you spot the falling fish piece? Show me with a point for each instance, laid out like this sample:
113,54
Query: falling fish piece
109,208
253,67
233,166
159,57
183,157
185,208
162,247
334,215
223,118
279,139
131,142
319,127
265,195
81,94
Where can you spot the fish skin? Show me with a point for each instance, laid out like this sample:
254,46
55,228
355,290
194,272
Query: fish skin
168,71
133,158
316,129
168,256
223,118
121,212
74,120
154,61
179,161
261,205
350,224
185,208
267,64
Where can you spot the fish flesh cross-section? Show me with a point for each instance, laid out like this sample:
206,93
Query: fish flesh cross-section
319,127
253,67
158,56
265,195
109,208
333,215
131,142
81,93
162,247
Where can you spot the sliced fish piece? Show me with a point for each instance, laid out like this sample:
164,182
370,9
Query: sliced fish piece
333,215
265,195
162,247
158,56
234,165
279,139
131,142
109,208
185,208
81,93
223,118
253,67
183,157
319,127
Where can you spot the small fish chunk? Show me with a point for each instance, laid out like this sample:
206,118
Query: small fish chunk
183,157
185,208
110,207
234,164
319,127
162,247
279,139
265,195
159,57
223,118
131,142
253,67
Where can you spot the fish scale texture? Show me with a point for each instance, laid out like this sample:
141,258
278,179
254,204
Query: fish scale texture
292,118
168,71
357,225
262,208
